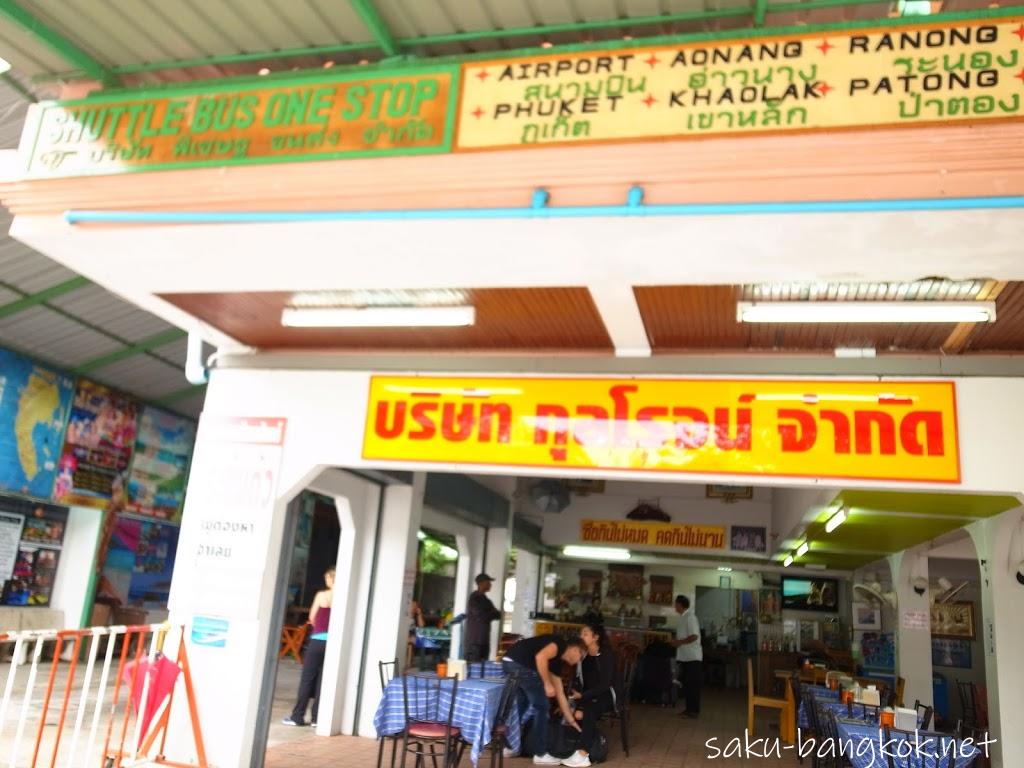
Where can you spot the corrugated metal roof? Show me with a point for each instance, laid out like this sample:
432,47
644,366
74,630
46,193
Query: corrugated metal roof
133,33
86,323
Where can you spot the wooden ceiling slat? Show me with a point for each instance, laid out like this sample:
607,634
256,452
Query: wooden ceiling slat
514,319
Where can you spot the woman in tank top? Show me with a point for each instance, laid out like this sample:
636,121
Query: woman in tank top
313,661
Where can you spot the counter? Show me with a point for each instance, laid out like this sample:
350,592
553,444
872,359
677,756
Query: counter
618,635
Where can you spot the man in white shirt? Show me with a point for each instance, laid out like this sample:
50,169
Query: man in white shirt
689,656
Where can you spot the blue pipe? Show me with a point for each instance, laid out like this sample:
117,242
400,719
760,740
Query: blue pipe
539,209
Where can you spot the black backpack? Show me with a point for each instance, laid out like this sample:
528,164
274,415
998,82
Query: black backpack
599,749
562,740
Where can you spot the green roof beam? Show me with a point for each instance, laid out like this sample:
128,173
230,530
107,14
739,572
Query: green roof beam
53,39
180,394
41,297
378,27
138,348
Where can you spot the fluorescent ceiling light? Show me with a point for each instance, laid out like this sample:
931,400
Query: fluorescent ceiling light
788,561
448,552
856,352
421,535
866,312
725,568
377,317
5,66
596,553
803,549
836,520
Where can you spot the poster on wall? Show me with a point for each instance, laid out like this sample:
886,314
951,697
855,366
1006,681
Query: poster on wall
34,405
744,538
947,652
97,448
31,583
878,650
140,561
10,537
770,605
156,483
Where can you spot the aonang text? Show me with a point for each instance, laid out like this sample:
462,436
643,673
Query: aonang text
883,428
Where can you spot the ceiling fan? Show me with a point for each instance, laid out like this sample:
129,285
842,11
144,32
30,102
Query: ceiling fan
874,592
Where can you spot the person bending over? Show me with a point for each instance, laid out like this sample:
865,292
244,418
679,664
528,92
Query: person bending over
538,663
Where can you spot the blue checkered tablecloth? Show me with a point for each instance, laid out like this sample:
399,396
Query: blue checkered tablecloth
863,746
808,692
840,709
476,704
491,669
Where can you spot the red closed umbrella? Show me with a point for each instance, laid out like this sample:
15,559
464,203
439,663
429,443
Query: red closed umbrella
162,674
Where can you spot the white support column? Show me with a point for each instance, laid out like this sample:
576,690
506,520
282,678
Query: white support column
464,575
496,564
913,633
617,306
357,501
527,570
1000,545
394,578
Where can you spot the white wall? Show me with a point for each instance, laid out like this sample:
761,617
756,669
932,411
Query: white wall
527,573
77,562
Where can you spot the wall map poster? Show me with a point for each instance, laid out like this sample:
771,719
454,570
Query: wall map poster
97,447
34,405
964,70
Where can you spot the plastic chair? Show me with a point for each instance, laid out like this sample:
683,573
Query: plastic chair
429,726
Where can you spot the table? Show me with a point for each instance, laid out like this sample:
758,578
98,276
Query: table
493,669
862,745
476,705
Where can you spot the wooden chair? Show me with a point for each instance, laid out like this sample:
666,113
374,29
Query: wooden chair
896,697
507,641
881,685
785,707
292,638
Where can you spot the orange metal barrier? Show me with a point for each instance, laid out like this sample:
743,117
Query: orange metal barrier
137,701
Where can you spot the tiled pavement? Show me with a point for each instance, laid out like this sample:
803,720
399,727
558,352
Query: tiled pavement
660,740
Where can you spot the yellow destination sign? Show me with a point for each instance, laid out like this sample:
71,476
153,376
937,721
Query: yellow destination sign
652,534
957,71
830,428
201,125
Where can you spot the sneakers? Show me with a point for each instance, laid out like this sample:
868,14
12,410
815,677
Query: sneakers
577,760
546,760
508,753
289,721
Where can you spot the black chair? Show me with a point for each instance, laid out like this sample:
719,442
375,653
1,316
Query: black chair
872,712
429,730
980,738
386,670
968,703
825,721
924,715
809,734
499,728
943,745
622,703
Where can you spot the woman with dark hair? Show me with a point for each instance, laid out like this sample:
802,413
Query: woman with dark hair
597,691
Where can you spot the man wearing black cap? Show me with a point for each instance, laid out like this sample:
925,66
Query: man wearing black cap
480,612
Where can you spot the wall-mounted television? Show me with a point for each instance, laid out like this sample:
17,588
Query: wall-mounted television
803,594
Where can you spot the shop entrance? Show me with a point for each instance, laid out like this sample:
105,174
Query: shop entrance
839,603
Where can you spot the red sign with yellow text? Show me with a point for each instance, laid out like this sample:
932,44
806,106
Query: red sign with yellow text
901,431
